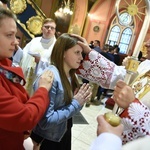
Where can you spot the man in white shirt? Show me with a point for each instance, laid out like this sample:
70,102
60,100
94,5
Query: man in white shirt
36,51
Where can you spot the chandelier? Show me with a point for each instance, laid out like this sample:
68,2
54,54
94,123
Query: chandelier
66,8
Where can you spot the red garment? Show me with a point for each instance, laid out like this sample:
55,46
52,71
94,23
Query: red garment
18,113
136,121
97,69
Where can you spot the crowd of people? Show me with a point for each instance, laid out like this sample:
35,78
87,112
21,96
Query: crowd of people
45,114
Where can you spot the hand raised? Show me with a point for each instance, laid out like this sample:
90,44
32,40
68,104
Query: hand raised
83,94
123,94
83,43
46,79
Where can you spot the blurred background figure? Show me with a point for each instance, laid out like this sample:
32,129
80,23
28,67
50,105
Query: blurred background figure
91,45
116,54
97,44
18,54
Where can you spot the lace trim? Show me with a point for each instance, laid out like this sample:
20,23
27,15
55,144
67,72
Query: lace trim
137,124
97,69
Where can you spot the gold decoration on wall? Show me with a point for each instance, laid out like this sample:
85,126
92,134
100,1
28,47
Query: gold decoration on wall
96,28
36,8
18,6
134,8
141,85
75,29
24,27
34,24
144,50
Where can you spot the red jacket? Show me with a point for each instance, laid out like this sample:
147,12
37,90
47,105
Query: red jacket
18,113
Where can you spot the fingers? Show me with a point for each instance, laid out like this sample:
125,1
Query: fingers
87,97
120,84
83,43
100,119
83,94
46,80
84,88
48,74
78,36
85,91
104,126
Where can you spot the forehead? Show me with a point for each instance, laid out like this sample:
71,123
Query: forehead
77,47
8,23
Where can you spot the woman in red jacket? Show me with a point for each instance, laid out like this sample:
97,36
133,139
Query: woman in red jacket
18,112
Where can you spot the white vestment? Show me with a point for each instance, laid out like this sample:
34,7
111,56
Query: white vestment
18,57
40,46
109,141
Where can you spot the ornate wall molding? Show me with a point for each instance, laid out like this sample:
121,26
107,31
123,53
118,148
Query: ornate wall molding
30,17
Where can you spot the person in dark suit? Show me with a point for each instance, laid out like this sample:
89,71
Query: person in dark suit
116,55
97,46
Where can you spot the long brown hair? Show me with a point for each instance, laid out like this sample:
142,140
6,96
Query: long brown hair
63,43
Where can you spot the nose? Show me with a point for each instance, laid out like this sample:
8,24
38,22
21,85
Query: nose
16,42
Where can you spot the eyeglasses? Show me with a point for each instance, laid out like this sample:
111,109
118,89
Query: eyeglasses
47,27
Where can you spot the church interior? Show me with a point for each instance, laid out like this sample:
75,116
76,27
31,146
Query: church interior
115,22
90,19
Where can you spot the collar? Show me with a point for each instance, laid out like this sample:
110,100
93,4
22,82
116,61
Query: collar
7,65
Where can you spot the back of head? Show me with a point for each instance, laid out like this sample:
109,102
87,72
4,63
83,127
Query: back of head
4,1
97,42
111,49
6,13
106,47
116,48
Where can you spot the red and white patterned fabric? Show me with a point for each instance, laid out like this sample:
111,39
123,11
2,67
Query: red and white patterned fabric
136,121
98,69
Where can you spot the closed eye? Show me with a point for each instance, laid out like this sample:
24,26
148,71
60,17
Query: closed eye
78,52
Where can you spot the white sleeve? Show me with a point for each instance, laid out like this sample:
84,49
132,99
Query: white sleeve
41,66
18,56
119,72
107,141
138,144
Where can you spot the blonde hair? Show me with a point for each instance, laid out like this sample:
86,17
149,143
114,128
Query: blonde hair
48,20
